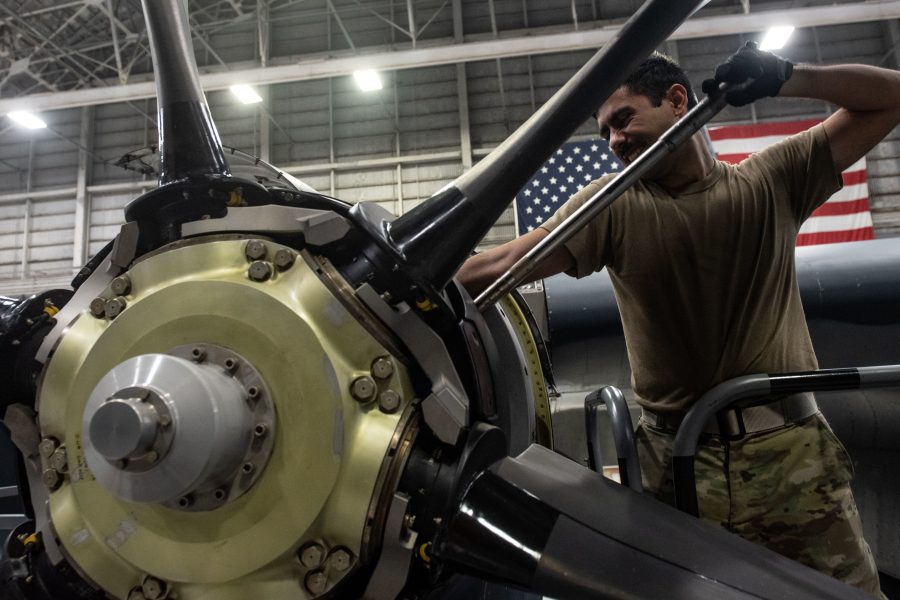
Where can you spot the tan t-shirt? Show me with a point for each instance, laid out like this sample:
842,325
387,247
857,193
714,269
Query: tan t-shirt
705,280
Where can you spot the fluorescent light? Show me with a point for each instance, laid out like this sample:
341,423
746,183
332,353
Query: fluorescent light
367,80
26,119
245,94
776,37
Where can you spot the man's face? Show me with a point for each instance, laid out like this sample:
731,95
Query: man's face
630,122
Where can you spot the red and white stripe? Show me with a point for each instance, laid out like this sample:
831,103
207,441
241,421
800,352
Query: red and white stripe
844,217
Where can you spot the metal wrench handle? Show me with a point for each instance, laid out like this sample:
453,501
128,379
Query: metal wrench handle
696,118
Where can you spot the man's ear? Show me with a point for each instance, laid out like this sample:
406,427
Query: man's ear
678,96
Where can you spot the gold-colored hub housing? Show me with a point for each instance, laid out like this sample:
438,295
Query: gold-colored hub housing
329,446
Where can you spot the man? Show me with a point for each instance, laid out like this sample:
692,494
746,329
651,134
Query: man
701,256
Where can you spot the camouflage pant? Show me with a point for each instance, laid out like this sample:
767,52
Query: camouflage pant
788,490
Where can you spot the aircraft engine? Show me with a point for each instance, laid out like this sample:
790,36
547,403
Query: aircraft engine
257,391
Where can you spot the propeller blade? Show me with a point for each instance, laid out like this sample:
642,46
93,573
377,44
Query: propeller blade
542,522
455,219
189,143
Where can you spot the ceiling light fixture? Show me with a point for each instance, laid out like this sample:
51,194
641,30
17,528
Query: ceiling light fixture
367,80
245,94
776,37
26,119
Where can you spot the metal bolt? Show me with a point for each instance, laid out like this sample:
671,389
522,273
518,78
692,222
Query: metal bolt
120,285
284,259
219,494
311,555
253,392
151,456
383,368
255,250
51,479
47,446
198,354
259,270
59,461
247,468
230,364
164,420
388,401
185,501
315,582
153,588
98,307
339,559
115,307
363,388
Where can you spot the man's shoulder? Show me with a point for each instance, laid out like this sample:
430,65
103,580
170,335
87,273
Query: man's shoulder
802,143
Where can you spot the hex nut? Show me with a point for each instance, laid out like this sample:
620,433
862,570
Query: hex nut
255,250
47,447
284,259
259,270
311,555
339,559
58,460
153,588
315,582
363,388
389,401
383,367
121,285
51,479
115,307
98,307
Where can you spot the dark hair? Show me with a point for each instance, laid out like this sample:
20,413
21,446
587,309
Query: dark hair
654,77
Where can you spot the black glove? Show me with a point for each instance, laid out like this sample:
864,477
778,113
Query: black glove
768,72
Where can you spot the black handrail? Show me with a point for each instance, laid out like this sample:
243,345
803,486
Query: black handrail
749,387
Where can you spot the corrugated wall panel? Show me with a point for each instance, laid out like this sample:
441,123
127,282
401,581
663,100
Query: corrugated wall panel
51,230
12,239
120,129
106,217
417,113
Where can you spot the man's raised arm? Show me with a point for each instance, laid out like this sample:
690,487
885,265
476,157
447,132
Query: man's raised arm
869,98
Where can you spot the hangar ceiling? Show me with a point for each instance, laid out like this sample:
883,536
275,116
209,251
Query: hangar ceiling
85,52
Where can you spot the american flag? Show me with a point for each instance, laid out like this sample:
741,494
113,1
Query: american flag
844,217
570,168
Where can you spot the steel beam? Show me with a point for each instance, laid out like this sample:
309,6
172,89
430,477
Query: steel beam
81,235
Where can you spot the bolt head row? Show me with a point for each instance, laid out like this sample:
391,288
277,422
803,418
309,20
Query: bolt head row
312,556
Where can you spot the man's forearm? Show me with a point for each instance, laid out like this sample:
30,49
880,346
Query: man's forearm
854,87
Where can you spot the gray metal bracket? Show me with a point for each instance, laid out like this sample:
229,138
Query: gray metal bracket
446,409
